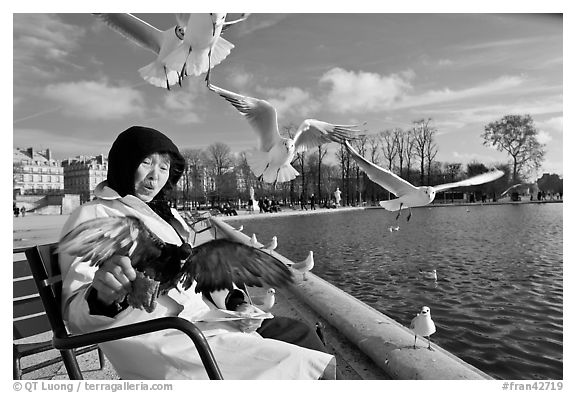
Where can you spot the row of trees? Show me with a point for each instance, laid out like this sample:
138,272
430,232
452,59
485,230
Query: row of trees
215,174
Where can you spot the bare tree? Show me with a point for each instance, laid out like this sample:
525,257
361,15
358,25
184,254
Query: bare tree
431,151
389,146
360,146
423,138
193,177
409,151
374,141
343,157
219,160
322,150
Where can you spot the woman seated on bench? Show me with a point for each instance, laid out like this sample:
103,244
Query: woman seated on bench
142,165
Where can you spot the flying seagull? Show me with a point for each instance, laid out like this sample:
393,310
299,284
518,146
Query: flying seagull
162,43
423,325
203,47
214,265
271,161
409,195
510,189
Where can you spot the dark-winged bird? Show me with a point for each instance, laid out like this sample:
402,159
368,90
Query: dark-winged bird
161,266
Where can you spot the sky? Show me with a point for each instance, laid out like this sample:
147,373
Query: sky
76,83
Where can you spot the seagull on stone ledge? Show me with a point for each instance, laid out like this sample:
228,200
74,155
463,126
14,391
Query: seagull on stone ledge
305,266
423,325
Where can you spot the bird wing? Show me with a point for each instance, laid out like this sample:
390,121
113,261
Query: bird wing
313,133
219,263
134,29
510,188
472,181
227,24
260,114
381,176
98,239
413,322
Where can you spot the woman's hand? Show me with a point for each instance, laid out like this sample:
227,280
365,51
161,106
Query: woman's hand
248,325
113,279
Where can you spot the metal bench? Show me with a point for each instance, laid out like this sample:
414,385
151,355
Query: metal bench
43,262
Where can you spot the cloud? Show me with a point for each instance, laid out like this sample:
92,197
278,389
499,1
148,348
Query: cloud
291,100
95,100
40,39
239,78
543,137
502,84
181,106
363,91
554,124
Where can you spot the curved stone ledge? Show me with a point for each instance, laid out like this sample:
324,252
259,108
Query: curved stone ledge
388,343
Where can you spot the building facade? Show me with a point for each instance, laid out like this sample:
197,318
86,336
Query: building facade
82,174
36,172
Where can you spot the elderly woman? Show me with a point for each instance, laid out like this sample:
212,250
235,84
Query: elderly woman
143,164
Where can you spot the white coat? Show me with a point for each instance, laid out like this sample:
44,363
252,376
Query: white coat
170,354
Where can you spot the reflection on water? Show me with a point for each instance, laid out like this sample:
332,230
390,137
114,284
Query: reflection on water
497,303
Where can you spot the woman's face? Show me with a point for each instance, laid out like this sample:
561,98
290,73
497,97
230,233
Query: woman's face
151,176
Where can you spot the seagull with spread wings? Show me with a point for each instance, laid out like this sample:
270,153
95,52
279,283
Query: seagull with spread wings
271,161
214,265
409,195
203,47
162,43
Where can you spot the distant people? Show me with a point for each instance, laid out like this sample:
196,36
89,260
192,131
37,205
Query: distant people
266,205
16,210
261,205
337,196
312,202
23,211
303,202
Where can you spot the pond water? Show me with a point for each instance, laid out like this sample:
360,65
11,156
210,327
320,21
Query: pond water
497,303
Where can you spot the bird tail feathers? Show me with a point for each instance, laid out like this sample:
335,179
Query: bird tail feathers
392,205
259,162
285,173
197,62
155,74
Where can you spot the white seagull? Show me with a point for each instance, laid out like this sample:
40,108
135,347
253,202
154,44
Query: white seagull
203,47
268,300
510,189
431,275
409,195
254,241
272,245
240,228
271,161
423,325
162,43
305,266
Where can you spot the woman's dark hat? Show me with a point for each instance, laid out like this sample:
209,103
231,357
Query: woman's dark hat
128,151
